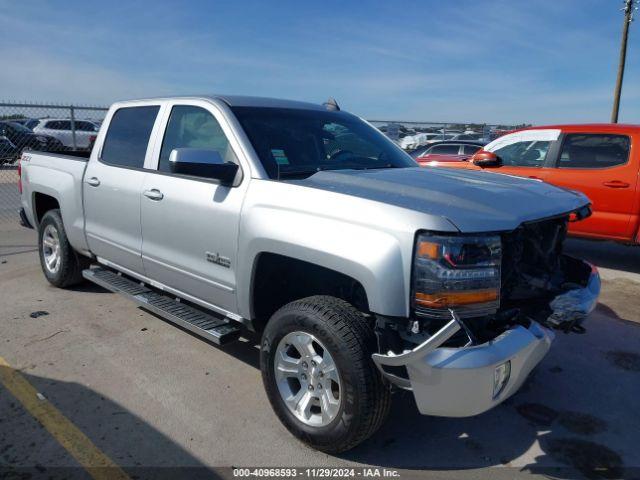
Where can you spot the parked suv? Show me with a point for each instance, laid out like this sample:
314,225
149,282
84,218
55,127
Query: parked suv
85,132
361,271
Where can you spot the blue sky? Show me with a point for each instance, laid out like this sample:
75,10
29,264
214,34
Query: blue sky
494,61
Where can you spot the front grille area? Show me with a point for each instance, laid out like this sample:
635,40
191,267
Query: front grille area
531,261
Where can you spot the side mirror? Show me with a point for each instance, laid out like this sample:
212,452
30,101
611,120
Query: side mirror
484,159
202,163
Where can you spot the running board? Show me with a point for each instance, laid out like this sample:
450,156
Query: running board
217,329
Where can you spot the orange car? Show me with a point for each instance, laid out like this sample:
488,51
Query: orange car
600,160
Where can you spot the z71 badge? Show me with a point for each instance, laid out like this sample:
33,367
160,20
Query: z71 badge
216,258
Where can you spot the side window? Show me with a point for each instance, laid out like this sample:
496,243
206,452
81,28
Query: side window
594,151
444,149
65,125
530,153
470,149
54,125
85,127
128,136
193,127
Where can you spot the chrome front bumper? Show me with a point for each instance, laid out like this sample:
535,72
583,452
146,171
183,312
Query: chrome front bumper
460,382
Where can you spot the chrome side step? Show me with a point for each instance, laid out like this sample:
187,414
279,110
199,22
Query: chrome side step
217,329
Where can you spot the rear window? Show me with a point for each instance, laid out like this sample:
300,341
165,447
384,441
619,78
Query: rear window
444,149
594,151
57,125
128,136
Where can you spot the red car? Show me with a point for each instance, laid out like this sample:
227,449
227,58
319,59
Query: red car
446,151
600,160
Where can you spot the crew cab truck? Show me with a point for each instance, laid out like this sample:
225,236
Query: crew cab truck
362,272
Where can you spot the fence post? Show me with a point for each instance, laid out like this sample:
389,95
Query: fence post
73,128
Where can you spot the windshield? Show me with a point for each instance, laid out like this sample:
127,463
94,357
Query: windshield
294,142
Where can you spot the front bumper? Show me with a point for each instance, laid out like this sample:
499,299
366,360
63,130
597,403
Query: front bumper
460,382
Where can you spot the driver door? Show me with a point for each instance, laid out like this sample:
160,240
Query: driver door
190,224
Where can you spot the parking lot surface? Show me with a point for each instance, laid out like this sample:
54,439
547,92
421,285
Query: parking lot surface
148,394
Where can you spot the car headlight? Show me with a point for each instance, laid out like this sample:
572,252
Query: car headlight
456,272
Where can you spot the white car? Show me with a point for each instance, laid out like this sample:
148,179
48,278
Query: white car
60,128
473,136
420,139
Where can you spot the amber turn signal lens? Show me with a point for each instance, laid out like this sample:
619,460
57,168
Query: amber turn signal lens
452,299
428,249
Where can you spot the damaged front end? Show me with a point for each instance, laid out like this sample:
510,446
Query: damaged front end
542,283
483,307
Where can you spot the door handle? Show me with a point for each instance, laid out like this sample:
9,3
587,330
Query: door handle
93,181
616,184
153,194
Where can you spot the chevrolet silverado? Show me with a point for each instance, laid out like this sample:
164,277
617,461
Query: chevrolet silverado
362,272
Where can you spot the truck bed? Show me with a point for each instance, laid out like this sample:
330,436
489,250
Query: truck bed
57,177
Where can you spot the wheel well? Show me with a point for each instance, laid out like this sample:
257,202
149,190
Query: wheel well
42,203
279,280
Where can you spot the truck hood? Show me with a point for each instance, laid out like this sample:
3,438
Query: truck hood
473,201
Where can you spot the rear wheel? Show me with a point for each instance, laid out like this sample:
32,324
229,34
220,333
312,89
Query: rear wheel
318,373
61,265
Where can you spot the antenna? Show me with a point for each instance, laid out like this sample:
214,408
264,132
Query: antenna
332,105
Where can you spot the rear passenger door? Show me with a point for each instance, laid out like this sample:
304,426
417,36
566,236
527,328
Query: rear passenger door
190,224
601,166
112,188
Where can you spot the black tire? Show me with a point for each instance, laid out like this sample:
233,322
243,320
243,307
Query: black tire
69,272
344,331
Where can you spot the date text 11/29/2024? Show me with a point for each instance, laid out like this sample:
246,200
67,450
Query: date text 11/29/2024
316,472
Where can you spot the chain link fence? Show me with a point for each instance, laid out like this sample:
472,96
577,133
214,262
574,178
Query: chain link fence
60,128
41,127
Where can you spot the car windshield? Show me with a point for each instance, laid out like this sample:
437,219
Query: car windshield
297,143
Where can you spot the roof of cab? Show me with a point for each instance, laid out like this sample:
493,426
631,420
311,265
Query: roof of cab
243,101
246,101
589,127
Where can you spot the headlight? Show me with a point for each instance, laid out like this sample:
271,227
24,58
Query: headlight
456,272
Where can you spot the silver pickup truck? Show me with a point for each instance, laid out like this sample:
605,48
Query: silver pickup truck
362,272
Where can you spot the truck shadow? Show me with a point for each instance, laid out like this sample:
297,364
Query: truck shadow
28,450
615,256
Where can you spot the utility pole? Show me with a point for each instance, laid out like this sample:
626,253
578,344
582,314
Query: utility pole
628,17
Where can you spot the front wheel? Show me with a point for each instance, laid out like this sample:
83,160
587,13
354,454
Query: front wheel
318,373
